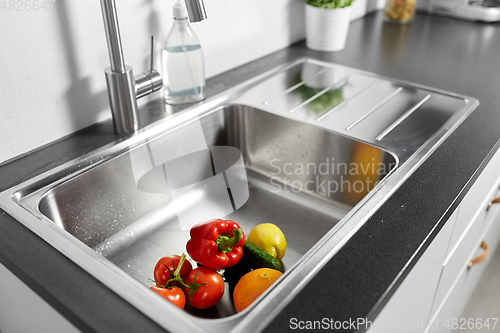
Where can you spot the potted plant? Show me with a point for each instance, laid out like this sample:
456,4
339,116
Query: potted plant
327,24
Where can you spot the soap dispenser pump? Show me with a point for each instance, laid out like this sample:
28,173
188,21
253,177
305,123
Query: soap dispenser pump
183,63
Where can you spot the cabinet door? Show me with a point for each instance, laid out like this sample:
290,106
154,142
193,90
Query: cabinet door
447,317
474,202
470,240
473,219
22,310
409,308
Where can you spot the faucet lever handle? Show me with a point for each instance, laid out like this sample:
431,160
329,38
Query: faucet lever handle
152,65
146,83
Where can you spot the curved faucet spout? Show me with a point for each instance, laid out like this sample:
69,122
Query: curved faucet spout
196,10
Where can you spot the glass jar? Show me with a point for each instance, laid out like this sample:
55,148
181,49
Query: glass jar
399,11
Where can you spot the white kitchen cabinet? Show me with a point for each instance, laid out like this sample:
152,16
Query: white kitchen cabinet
471,236
424,303
475,224
447,315
22,310
476,200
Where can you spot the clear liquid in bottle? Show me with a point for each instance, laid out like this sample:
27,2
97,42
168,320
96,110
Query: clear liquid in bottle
183,74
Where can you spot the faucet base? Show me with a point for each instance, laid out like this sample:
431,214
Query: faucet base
121,93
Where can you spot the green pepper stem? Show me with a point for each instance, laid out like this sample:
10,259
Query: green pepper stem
225,243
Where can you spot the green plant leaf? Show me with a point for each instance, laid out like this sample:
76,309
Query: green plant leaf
330,3
324,102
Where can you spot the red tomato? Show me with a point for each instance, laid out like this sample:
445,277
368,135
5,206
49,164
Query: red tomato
208,294
161,273
173,295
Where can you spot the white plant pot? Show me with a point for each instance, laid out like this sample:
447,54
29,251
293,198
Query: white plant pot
326,29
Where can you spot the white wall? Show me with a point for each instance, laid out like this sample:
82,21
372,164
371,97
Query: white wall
52,60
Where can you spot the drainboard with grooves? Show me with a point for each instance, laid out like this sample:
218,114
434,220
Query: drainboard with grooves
395,115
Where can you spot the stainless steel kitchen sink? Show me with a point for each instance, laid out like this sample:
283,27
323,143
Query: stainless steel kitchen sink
312,147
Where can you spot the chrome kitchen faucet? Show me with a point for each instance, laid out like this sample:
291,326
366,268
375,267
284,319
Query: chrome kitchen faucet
123,88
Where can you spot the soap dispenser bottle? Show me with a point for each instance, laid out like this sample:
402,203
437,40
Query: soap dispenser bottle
183,63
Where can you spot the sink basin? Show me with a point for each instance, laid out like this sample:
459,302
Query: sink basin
133,224
312,147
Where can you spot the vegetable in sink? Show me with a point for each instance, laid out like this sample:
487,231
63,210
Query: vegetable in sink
202,286
252,285
270,238
166,266
221,244
216,244
260,258
209,287
174,295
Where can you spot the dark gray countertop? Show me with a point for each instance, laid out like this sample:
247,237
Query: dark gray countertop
443,53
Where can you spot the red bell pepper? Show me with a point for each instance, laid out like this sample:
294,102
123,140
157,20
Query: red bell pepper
216,244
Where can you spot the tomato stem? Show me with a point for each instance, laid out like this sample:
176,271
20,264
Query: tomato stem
161,285
176,275
194,286
181,262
